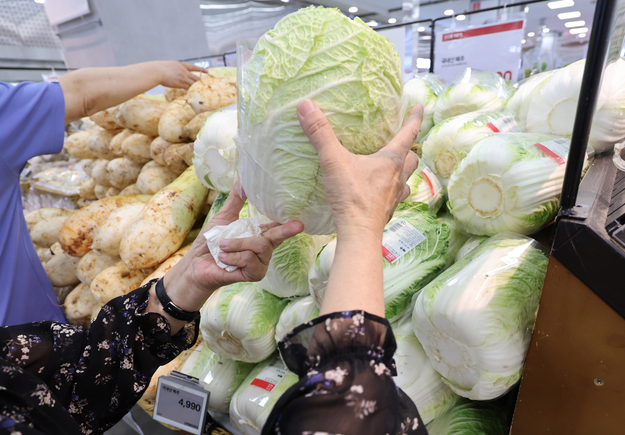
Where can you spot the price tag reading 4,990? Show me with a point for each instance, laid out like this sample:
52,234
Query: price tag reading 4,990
180,404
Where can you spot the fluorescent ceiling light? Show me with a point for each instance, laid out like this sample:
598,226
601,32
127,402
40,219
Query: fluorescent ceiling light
372,23
449,12
561,4
579,23
392,20
523,41
531,34
423,63
353,10
421,29
461,17
40,1
569,15
579,30
285,1
582,35
426,37
546,30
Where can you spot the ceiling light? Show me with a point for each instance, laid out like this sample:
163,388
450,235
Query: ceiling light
423,63
578,30
426,37
353,10
523,41
546,30
285,1
579,23
421,29
582,35
527,9
40,1
531,34
372,23
569,15
449,12
461,17
392,20
561,4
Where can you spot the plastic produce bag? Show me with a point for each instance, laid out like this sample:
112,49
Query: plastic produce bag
470,92
450,141
253,401
351,72
425,187
239,229
219,375
475,320
296,313
423,89
239,322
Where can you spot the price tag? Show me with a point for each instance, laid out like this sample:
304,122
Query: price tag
399,239
433,181
271,375
558,149
507,124
181,402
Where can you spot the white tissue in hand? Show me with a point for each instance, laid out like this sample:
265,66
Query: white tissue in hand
248,227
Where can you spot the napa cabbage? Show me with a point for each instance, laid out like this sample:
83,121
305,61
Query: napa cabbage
475,320
426,187
469,417
470,92
423,89
296,313
350,71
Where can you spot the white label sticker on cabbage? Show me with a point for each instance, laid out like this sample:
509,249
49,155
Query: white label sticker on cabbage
435,184
507,124
558,149
271,375
399,239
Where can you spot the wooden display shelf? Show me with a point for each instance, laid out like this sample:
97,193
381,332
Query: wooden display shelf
574,377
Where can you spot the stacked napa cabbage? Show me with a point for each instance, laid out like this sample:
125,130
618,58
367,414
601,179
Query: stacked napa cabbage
407,275
214,150
475,320
298,312
239,322
506,183
450,141
351,72
424,89
547,104
426,187
416,376
468,417
470,92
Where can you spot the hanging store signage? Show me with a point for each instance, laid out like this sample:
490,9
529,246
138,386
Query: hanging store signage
495,47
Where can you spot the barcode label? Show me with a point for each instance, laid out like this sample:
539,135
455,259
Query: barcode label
507,124
399,239
558,149
435,184
271,375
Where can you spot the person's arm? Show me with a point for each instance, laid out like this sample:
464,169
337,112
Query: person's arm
363,192
89,90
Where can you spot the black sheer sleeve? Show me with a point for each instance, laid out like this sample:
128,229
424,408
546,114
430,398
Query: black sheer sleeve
345,365
58,378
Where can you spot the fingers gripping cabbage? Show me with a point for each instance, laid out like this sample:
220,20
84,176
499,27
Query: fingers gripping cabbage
350,72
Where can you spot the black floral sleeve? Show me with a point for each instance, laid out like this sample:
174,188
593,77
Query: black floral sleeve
345,363
64,379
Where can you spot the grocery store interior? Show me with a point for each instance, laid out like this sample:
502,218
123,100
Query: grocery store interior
502,263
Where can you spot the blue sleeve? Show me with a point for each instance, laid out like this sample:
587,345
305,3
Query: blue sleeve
32,116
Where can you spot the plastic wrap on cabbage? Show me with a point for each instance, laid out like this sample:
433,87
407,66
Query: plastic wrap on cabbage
353,75
239,322
406,275
519,102
425,187
506,183
470,92
221,376
214,150
423,89
299,311
548,104
471,243
450,141
457,238
416,376
253,401
475,320
287,274
468,417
